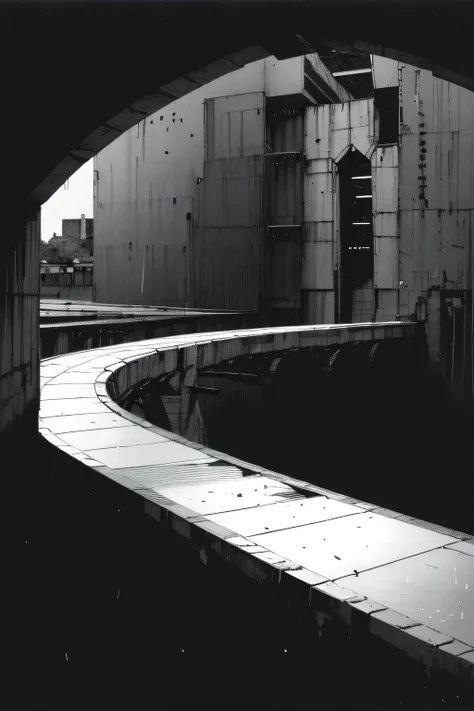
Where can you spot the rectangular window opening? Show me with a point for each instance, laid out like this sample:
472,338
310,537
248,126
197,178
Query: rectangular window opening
387,107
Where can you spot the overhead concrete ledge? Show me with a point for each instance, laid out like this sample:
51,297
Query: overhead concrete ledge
343,561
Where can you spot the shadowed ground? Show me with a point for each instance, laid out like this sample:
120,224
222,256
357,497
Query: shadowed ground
101,608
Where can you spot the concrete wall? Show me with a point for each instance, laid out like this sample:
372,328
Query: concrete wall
425,203
145,189
436,178
436,199
283,207
227,244
423,191
157,195
19,318
179,220
423,194
331,130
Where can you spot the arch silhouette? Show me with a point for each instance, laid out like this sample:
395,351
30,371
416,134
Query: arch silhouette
87,71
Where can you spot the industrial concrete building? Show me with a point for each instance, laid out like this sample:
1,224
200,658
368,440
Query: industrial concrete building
189,204
78,228
67,281
259,191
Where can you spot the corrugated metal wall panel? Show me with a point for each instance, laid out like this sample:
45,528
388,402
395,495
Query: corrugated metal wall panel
283,203
228,238
283,198
244,167
285,130
318,307
229,202
283,186
286,271
227,267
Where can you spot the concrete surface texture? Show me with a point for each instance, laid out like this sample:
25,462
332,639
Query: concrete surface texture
68,326
210,176
409,580
169,239
19,323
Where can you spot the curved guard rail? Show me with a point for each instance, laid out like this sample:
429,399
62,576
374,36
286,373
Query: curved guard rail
269,525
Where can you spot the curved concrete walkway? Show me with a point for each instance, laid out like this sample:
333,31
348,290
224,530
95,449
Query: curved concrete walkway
403,580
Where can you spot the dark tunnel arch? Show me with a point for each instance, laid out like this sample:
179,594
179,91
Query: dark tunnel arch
86,72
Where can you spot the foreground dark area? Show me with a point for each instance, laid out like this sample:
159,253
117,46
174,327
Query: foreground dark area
102,609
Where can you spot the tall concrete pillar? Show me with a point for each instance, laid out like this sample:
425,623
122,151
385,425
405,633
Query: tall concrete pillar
19,320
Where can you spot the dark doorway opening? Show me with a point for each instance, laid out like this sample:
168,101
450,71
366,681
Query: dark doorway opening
356,229
387,107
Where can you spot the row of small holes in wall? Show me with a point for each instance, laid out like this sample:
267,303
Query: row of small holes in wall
191,135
